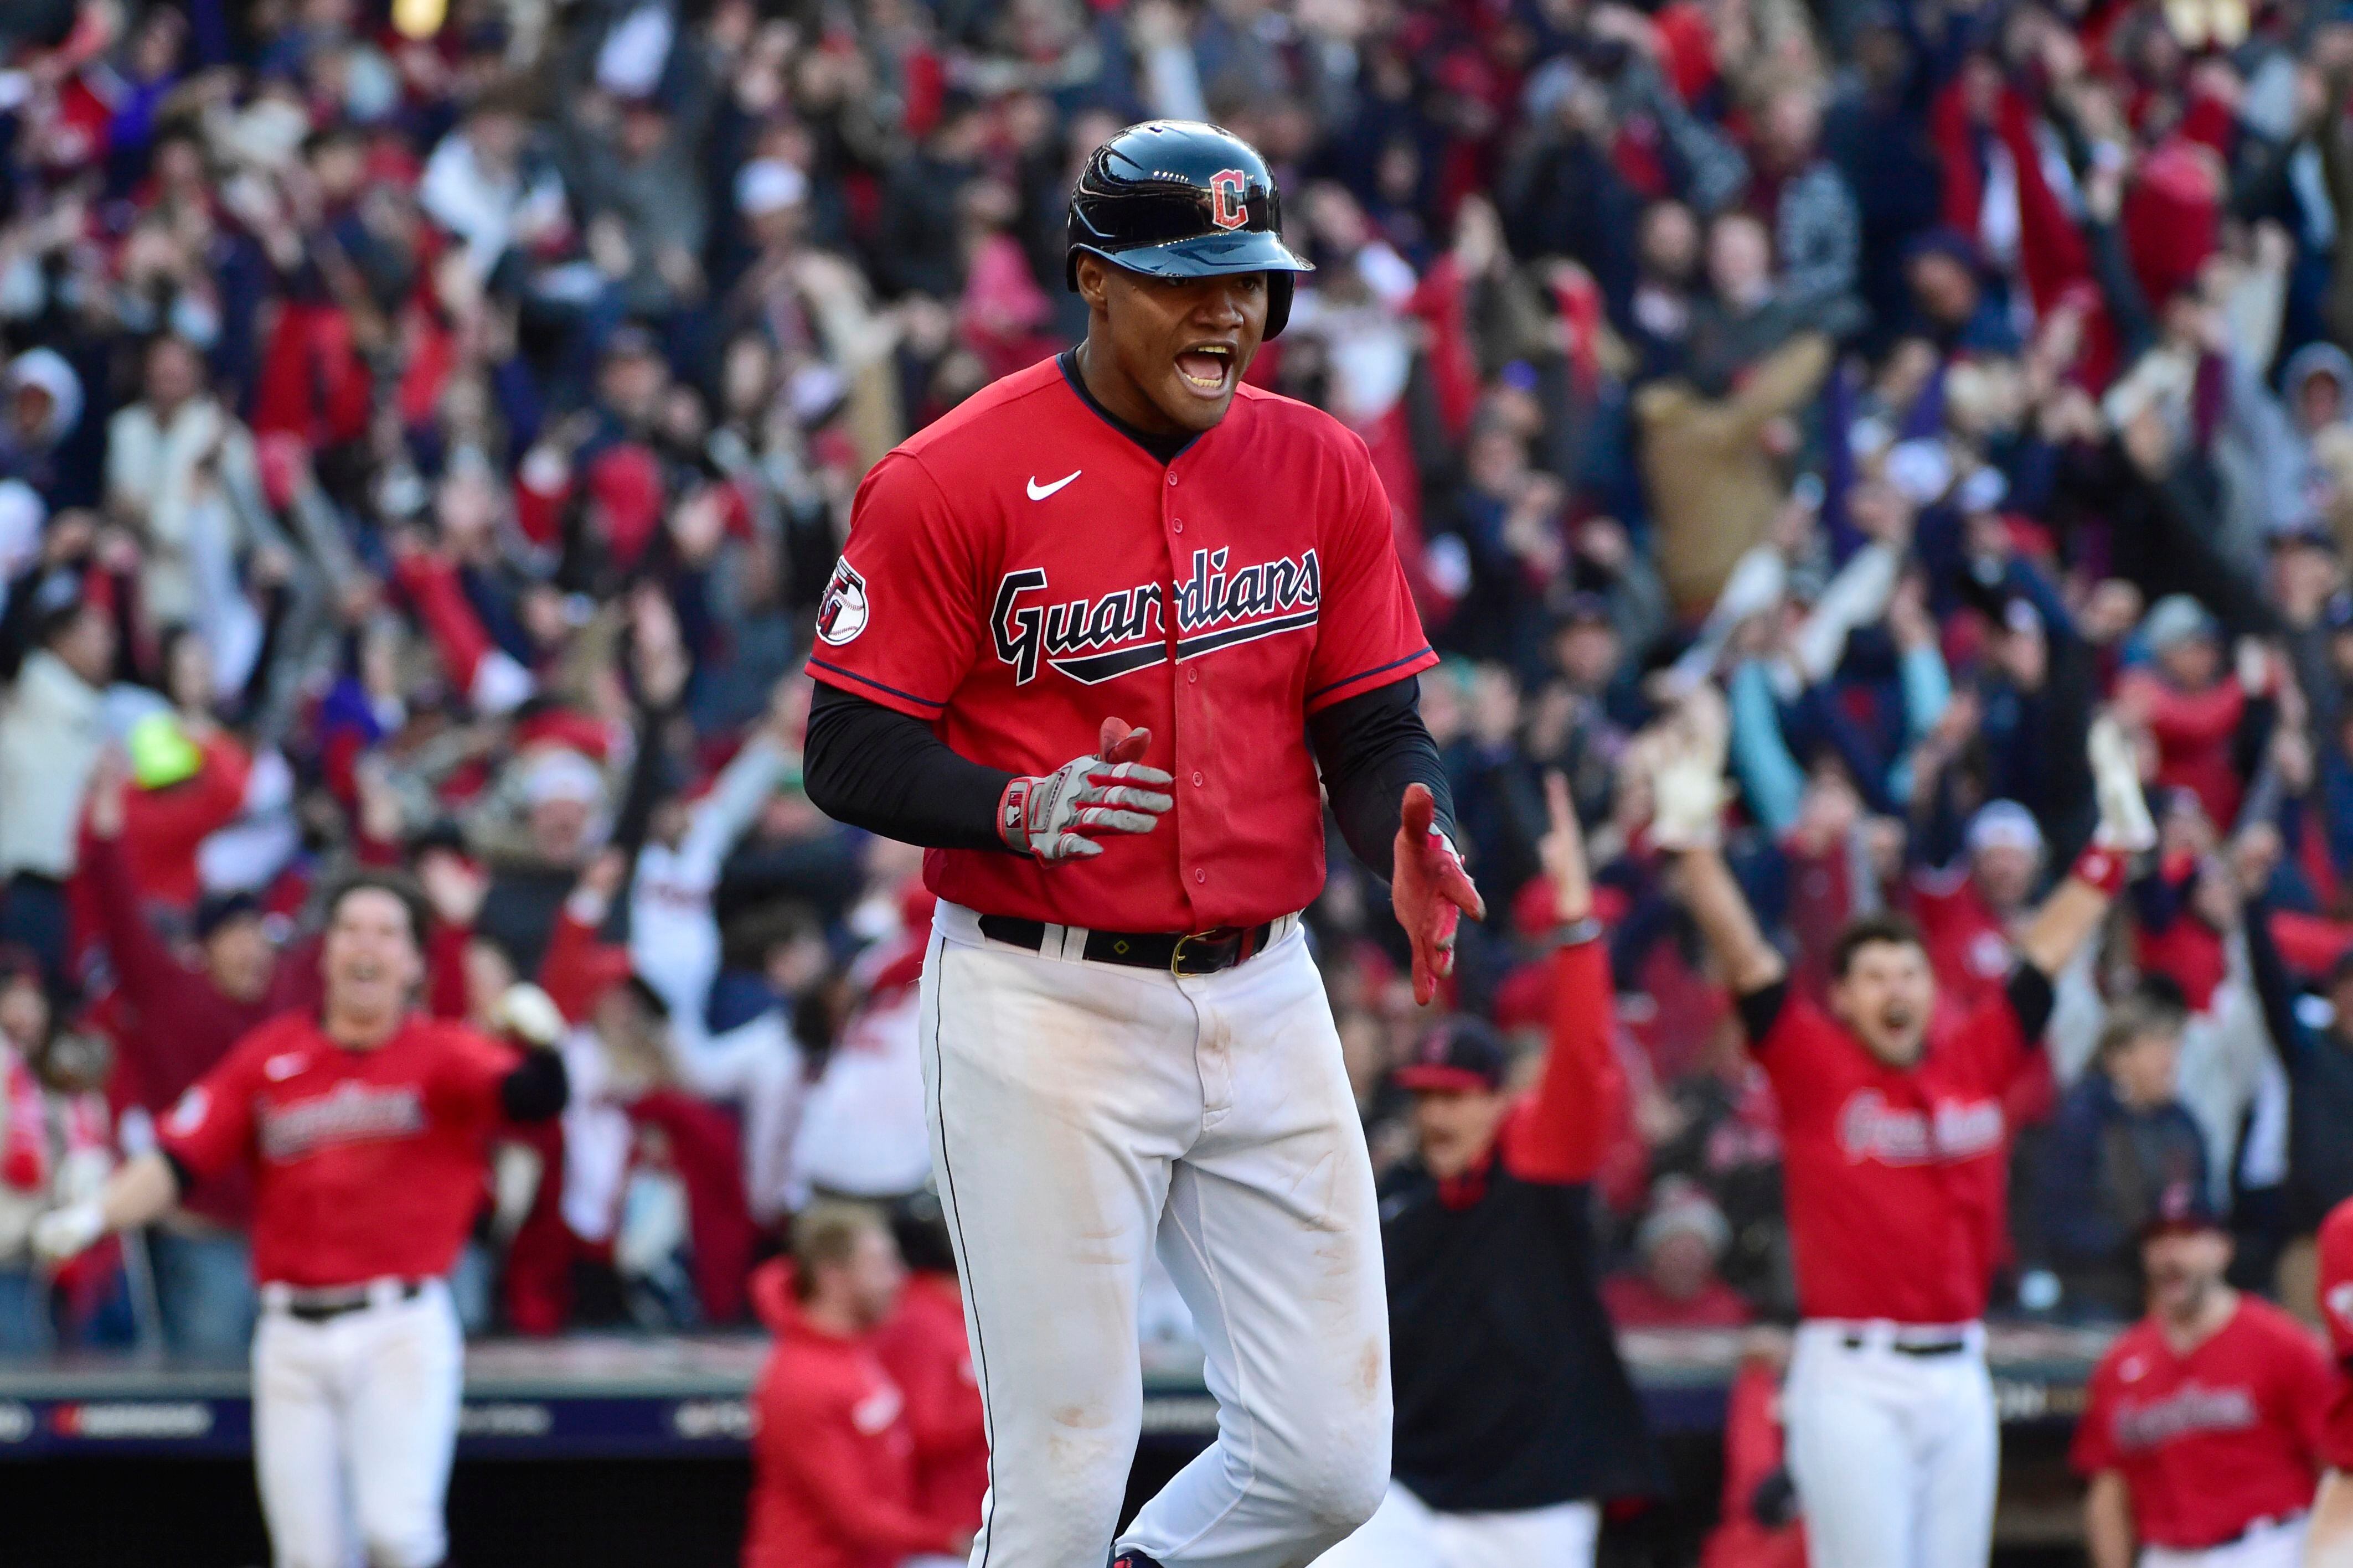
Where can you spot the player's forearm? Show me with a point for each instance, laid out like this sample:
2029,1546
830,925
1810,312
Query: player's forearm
139,1193
876,769
2329,1542
1726,924
2107,1522
2069,916
1370,746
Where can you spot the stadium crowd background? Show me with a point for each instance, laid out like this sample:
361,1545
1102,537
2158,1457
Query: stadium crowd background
424,437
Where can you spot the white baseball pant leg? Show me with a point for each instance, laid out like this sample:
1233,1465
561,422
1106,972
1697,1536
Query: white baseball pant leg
1081,1112
2279,1546
355,1426
1895,1458
1405,1533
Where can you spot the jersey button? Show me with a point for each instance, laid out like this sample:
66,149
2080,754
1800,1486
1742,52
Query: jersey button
1177,526
1191,677
1199,874
1196,781
1172,479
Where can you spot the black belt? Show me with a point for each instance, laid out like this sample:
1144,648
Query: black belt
1181,953
1912,1347
319,1306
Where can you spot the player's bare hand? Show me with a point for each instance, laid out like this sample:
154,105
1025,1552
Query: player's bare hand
1431,891
1056,815
1562,850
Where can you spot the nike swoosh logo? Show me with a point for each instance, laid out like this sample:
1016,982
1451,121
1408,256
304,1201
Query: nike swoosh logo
1039,492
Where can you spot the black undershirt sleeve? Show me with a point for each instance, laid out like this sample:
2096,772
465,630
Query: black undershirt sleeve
2030,997
537,1088
1761,1009
1370,747
874,767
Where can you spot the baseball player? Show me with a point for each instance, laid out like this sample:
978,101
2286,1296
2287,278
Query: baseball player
2201,1427
1125,1042
1895,1158
1514,1414
365,1128
2330,1542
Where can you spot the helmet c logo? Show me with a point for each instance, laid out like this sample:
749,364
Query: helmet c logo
1226,207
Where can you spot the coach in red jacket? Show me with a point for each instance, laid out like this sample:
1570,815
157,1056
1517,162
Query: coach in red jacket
833,1451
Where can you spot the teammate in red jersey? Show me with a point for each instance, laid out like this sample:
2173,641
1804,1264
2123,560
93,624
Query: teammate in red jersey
1125,1040
366,1131
1896,1159
2330,1543
2201,1427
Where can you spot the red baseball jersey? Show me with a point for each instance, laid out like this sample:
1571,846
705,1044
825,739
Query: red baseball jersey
366,1164
2337,1310
2211,1442
1022,570
1965,943
1895,1179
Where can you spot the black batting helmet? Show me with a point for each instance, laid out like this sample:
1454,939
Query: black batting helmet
1175,198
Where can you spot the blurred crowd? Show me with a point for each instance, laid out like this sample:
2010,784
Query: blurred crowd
425,429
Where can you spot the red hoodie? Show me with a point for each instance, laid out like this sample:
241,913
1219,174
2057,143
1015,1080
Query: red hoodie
924,1349
833,1452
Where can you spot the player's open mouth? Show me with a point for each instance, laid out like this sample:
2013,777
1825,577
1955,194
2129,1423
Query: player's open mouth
1207,367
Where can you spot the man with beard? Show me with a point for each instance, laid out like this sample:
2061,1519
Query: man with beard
2201,1429
1896,1160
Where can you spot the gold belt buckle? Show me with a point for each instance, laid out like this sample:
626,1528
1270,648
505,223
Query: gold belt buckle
1177,954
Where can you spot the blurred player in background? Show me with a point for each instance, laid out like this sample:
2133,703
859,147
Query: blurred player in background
2330,1542
834,1444
1515,1416
1896,1166
925,1350
366,1130
2201,1426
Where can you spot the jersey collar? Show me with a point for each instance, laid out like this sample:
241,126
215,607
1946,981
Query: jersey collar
1161,449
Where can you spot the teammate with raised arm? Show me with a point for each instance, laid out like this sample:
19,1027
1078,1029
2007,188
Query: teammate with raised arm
1896,1163
1515,1417
1125,1042
367,1127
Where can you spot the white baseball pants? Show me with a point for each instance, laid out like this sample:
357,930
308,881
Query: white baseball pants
2278,1545
1405,1533
1083,1112
354,1423
1894,1457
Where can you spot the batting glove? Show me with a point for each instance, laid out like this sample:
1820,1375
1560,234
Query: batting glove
528,1013
1686,804
68,1232
1052,816
1429,890
2126,825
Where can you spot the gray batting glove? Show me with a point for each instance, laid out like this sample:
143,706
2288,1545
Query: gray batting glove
68,1232
1052,816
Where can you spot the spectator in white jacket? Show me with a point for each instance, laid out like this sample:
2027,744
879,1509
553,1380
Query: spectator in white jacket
52,727
181,475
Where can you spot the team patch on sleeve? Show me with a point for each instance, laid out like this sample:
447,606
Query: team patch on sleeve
842,612
189,1112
